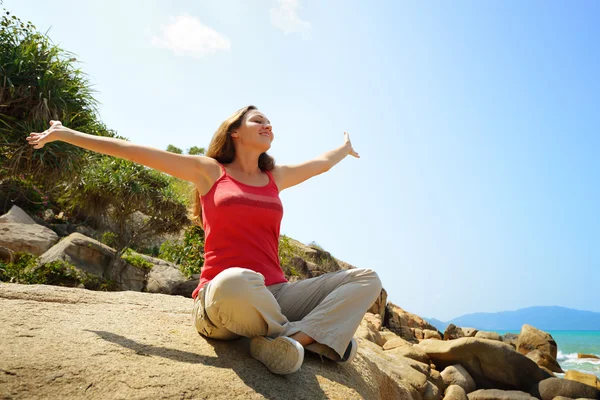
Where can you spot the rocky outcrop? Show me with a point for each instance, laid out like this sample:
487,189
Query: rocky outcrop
545,360
532,338
495,394
380,305
488,335
407,325
583,355
492,364
548,389
511,339
455,392
30,238
582,377
455,332
140,345
16,215
457,375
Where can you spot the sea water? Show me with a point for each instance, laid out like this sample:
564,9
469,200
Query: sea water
572,342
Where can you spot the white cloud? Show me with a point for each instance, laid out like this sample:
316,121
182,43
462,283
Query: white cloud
285,17
186,35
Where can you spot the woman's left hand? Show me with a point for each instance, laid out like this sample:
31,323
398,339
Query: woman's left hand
348,145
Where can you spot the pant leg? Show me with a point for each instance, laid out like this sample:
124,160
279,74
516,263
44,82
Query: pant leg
329,308
237,303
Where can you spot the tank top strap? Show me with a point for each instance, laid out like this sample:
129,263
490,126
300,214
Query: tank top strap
271,179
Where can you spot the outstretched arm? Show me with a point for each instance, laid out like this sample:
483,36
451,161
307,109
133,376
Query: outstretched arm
290,175
194,169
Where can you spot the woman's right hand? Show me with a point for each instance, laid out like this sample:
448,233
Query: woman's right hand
38,140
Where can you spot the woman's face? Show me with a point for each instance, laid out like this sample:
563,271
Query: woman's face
255,131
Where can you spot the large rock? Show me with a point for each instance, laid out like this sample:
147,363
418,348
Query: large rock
582,377
457,375
532,338
511,339
431,334
77,344
164,277
552,387
455,392
379,306
495,394
16,215
368,331
409,351
30,238
583,355
492,364
545,360
455,332
404,323
488,335
86,254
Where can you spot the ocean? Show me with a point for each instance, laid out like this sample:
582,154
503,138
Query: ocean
572,342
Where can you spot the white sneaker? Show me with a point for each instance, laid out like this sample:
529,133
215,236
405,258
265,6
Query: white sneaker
282,355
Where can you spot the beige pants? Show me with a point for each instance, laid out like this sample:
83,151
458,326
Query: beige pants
328,308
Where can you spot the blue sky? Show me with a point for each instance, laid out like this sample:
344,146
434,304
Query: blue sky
477,124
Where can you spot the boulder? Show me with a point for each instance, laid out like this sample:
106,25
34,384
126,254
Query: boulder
457,375
387,335
132,345
30,238
409,351
545,360
16,215
492,364
431,334
404,323
470,332
84,253
378,307
396,342
455,392
511,339
582,377
164,277
532,338
488,335
374,319
435,377
453,332
548,389
495,394
366,330
583,355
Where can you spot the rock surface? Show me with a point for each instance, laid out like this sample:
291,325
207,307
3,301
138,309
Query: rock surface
532,338
455,392
582,377
31,238
73,343
492,364
545,360
495,394
457,375
548,389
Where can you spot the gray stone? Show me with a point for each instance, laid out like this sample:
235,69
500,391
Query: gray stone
548,389
30,238
16,215
495,394
457,375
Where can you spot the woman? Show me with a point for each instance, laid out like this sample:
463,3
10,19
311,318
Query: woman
242,289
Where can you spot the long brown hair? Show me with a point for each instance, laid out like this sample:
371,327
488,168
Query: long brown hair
221,148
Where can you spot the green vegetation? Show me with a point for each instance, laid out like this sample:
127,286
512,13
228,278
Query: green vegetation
26,269
136,260
189,254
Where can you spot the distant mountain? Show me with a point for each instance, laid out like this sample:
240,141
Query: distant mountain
440,325
544,318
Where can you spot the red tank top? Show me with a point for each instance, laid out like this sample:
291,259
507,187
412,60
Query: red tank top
241,227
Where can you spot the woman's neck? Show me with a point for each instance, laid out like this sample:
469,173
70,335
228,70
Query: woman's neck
246,163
